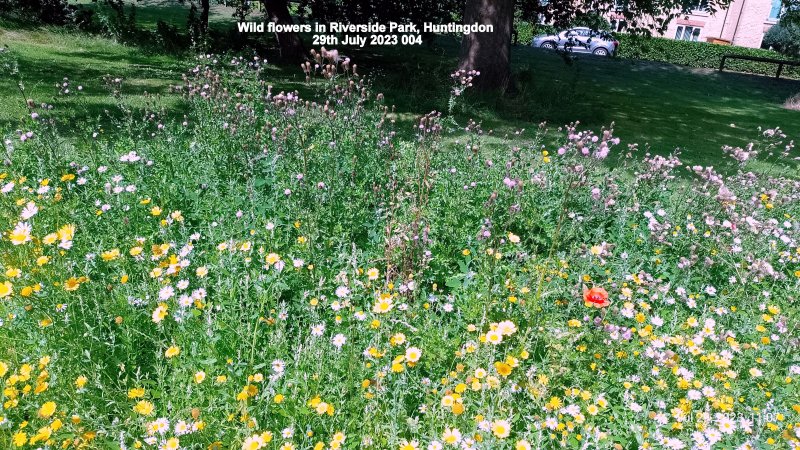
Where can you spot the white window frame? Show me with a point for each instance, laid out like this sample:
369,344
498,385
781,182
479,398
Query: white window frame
693,33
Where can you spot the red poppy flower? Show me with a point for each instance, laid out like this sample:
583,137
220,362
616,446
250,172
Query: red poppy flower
596,297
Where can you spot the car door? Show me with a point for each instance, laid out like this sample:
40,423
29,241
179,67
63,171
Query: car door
563,39
569,39
582,40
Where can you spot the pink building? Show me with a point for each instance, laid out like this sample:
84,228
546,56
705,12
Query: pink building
743,23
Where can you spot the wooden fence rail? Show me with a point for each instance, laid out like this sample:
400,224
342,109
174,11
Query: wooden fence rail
779,62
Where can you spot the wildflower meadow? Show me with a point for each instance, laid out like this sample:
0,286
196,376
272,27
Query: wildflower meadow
261,270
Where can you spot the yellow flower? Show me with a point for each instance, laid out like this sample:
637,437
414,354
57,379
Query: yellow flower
155,211
42,434
199,377
144,408
66,233
19,439
171,444
6,289
72,284
136,393
172,351
47,410
502,368
110,255
81,381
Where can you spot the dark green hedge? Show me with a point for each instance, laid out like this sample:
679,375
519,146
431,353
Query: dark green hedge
526,31
700,54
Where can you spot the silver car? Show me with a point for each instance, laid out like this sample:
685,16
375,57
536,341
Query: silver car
579,40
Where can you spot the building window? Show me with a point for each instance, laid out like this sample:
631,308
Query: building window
775,11
685,33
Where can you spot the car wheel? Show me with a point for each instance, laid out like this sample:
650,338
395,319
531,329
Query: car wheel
548,45
600,51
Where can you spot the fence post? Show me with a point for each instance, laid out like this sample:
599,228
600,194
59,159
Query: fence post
780,69
722,63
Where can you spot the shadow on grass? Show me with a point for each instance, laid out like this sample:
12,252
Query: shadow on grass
93,105
662,107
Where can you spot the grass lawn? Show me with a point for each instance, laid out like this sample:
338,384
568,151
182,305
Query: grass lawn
661,105
149,12
46,56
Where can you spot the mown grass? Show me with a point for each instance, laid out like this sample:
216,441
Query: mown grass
662,105
45,57
149,12
657,105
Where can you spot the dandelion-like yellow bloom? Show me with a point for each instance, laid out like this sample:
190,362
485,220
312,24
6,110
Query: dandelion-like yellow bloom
144,408
47,410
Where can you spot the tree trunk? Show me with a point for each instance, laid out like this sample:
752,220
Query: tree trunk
489,53
205,6
290,44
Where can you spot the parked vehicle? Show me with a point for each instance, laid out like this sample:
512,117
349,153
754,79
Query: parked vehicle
579,40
